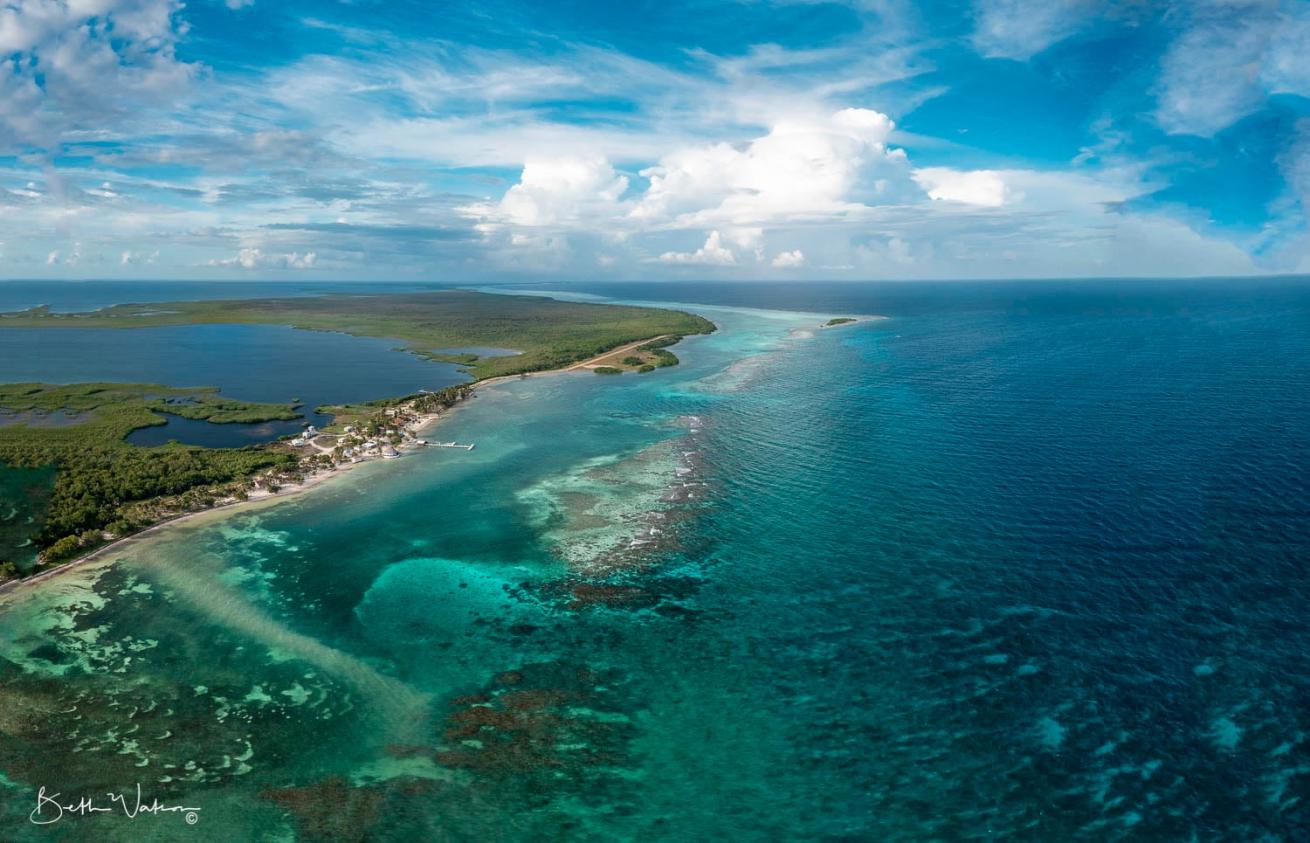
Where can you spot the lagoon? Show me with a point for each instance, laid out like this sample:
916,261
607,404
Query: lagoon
251,362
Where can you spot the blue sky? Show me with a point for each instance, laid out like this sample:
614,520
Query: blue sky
873,139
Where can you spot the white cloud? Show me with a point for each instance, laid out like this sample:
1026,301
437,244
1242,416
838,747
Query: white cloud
82,64
753,155
130,258
1287,69
1210,76
1019,29
467,106
252,258
972,187
713,253
789,260
52,258
804,167
561,190
1230,56
893,252
238,4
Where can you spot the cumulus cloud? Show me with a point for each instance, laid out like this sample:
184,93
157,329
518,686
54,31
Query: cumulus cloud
804,170
561,190
713,253
789,260
985,188
802,167
252,258
78,65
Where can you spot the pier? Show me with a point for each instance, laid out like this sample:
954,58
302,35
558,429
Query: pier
467,447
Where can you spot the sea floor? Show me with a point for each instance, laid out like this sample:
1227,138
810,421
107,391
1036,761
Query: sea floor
413,644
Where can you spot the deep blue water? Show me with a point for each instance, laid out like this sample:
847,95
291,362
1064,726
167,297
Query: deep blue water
1108,488
1019,562
1030,560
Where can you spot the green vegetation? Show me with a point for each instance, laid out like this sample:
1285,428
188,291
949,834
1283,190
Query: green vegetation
840,320
656,350
549,333
371,416
69,482
463,358
664,358
204,406
113,410
84,479
646,357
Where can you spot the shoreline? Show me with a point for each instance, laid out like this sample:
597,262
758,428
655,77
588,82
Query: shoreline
847,321
265,497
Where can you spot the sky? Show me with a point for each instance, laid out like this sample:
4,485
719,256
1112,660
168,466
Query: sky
653,139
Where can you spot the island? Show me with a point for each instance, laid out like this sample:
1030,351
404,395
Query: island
548,333
840,320
70,483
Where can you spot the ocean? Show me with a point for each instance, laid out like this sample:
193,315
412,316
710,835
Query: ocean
1018,561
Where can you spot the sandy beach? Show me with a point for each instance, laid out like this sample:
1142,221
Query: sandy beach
265,497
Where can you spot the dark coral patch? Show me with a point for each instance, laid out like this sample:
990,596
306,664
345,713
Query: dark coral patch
554,720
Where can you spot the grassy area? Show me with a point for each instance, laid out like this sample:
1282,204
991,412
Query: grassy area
63,446
646,357
107,412
840,320
204,406
549,333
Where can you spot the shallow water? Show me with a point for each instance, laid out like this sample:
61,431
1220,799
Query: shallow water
1029,571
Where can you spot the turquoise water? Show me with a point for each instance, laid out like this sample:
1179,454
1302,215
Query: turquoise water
1004,565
